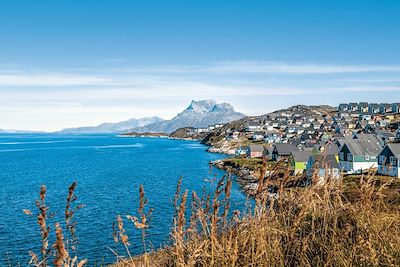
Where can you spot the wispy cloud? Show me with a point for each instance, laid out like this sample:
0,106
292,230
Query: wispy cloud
296,68
376,89
50,99
49,79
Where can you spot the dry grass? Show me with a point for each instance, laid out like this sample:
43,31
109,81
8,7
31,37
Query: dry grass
60,252
320,225
314,226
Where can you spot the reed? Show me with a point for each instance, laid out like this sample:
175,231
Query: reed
337,222
318,225
59,251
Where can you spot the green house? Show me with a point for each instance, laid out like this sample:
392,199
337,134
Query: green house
299,161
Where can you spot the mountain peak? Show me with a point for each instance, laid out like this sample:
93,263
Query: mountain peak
202,105
198,114
222,107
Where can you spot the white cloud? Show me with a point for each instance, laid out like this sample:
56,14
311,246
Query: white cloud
370,89
49,79
54,99
278,67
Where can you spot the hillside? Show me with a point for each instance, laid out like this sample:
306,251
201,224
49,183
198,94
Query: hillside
216,138
198,114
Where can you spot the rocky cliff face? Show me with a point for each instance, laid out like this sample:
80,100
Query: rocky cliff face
198,114
114,127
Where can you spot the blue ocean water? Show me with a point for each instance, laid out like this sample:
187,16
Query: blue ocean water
109,171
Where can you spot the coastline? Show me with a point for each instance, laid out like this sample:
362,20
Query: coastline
248,180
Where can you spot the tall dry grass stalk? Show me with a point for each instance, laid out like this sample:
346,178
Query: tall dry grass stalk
59,252
324,224
318,225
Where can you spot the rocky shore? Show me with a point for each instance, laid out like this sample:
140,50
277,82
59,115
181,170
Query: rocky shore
246,178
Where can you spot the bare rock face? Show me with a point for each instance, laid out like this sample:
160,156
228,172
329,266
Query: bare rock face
197,115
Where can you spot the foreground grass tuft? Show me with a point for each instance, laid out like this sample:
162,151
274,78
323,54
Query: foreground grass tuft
353,221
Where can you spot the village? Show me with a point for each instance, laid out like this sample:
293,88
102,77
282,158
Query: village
353,138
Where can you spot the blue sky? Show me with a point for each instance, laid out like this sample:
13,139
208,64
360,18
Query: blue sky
71,63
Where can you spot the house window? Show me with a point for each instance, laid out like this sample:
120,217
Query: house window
393,161
349,157
341,156
382,159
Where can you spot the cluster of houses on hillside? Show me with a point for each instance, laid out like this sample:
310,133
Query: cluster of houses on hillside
355,139
209,128
370,108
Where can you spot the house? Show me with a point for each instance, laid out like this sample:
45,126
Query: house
366,117
343,107
283,150
397,136
363,107
374,108
201,130
299,161
272,137
241,151
234,135
396,108
353,107
258,136
323,167
389,160
255,151
254,126
385,108
358,155
329,148
385,136
275,124
268,151
291,128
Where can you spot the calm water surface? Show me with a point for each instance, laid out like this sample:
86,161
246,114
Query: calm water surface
108,170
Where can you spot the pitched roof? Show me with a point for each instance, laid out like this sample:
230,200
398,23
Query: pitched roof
385,133
256,148
361,147
328,161
395,148
301,156
285,149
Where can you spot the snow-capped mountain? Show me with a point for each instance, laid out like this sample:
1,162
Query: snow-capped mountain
198,114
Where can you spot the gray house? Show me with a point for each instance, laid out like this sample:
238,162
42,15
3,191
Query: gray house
374,108
283,150
359,155
385,108
396,107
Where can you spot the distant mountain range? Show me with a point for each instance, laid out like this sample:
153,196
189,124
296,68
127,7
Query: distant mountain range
114,127
198,114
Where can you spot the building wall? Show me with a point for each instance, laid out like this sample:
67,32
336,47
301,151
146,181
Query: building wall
299,167
388,170
363,166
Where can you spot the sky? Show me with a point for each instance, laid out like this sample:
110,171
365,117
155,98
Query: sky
72,63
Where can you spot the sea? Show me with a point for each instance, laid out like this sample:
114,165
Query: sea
108,170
